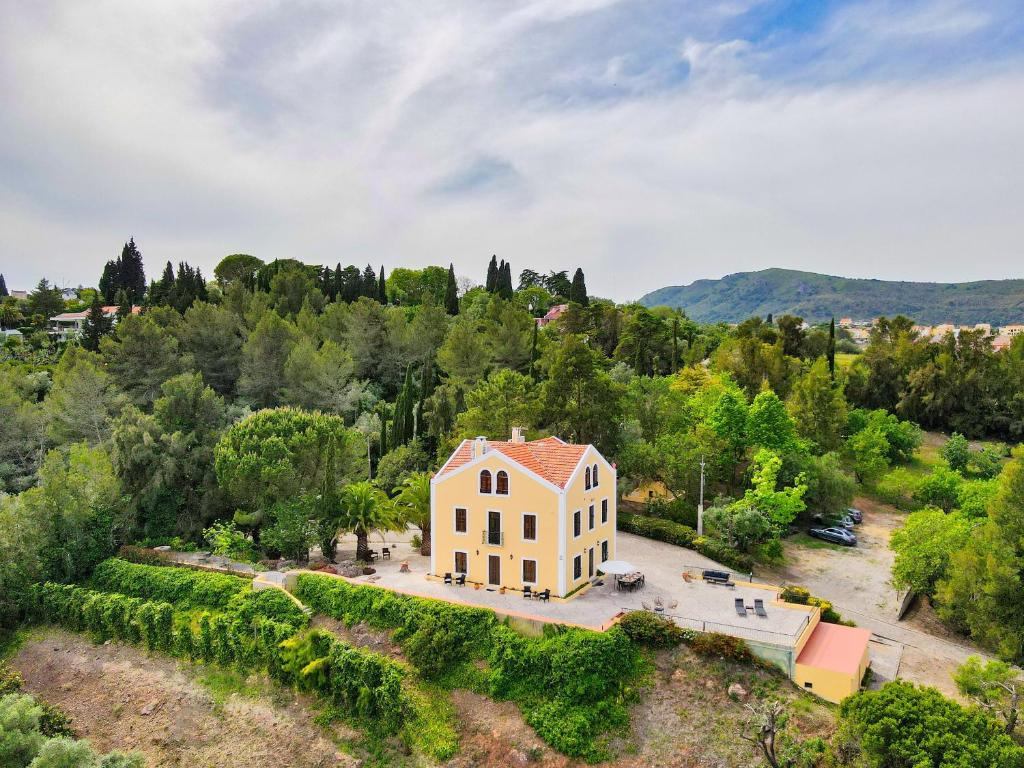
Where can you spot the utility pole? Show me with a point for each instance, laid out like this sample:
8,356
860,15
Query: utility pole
700,506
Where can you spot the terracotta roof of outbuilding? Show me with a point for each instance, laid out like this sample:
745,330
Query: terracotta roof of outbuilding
551,458
835,647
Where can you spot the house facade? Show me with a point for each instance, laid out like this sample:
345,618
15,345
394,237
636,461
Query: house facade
520,513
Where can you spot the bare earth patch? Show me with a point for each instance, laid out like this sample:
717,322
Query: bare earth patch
119,697
687,719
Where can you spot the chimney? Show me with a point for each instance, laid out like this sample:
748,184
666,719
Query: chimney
479,447
517,435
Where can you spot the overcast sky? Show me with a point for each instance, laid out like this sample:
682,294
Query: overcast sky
650,142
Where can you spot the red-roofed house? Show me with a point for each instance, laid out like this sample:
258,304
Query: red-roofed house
833,661
518,513
68,325
552,314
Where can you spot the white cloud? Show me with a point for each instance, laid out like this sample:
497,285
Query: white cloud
414,133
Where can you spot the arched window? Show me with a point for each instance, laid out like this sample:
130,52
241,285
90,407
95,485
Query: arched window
586,479
485,481
595,476
502,483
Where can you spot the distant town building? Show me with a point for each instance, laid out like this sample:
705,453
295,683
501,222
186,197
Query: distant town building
19,294
1011,330
845,322
1001,342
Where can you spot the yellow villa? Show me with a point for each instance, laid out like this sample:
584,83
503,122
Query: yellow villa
518,513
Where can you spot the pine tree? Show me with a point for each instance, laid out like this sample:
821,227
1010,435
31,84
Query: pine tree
368,287
382,288
492,275
3,286
124,306
109,282
578,290
130,274
832,349
451,292
96,326
160,291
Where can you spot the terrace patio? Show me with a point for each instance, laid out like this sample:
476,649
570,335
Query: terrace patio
694,603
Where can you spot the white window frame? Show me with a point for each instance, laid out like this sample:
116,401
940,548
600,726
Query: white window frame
593,477
575,560
455,560
591,517
603,550
455,526
508,481
524,560
578,513
604,511
536,528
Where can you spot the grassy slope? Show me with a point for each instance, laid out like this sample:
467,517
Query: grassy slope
818,297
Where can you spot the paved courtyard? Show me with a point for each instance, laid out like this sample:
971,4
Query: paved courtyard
691,603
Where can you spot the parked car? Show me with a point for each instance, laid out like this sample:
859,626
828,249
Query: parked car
835,535
855,514
845,522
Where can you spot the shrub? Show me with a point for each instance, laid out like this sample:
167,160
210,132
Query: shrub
183,587
722,646
651,630
682,536
10,679
268,603
143,555
434,648
801,596
226,540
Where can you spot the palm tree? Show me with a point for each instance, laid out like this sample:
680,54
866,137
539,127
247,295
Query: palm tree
364,507
413,505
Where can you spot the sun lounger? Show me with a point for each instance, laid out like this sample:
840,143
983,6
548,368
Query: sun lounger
759,608
741,609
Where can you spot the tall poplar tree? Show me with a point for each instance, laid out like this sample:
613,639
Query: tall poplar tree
451,292
3,286
578,290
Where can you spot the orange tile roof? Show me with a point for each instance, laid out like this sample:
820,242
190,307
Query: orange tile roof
835,647
551,458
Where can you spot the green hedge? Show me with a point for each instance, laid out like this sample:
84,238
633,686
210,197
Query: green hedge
571,684
683,536
366,684
184,587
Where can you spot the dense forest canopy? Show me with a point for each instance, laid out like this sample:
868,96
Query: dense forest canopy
282,402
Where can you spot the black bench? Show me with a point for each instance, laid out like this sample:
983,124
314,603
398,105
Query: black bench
716,577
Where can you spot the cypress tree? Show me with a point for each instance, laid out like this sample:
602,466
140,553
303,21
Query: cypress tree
161,290
832,349
426,376
507,291
578,289
768,320
383,431
96,326
492,275
533,352
3,286
451,292
382,288
675,344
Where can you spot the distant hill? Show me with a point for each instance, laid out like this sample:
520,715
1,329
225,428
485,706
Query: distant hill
817,297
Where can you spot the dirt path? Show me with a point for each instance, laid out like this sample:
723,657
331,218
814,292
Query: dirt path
857,582
120,698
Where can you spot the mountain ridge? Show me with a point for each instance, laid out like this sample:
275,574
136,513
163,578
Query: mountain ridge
817,297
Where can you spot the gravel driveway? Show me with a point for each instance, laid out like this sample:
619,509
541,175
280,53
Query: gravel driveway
857,582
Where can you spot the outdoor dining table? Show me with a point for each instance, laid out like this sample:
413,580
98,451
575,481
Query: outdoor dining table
630,581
